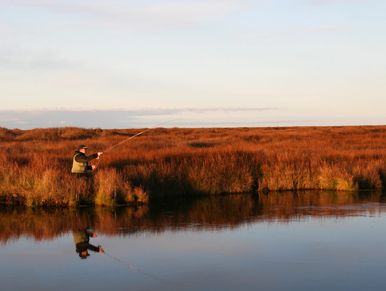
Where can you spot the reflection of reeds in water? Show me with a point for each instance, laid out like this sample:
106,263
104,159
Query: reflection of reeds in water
204,213
35,164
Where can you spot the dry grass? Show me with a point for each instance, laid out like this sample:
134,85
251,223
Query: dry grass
35,164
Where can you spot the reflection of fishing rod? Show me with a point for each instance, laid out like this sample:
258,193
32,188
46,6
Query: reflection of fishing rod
141,271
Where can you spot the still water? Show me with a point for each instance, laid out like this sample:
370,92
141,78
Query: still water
283,241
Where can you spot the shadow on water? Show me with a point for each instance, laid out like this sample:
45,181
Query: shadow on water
173,214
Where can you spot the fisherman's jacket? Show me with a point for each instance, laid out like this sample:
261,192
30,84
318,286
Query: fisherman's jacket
80,163
82,241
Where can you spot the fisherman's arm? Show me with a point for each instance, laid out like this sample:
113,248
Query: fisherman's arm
97,249
91,233
85,159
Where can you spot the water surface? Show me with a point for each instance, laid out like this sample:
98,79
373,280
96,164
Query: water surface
283,241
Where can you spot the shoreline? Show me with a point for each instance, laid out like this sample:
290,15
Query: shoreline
202,212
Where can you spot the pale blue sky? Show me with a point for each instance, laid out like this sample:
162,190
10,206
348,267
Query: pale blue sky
319,60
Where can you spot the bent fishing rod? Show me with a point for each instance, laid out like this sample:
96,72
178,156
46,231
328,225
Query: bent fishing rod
132,137
126,140
138,134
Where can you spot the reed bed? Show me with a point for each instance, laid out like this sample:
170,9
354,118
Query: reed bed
35,164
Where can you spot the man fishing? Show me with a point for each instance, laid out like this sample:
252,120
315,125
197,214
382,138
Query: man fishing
80,161
82,242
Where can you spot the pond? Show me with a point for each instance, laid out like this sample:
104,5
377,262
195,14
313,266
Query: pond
280,241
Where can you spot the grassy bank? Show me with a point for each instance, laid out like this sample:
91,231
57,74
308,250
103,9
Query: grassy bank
35,164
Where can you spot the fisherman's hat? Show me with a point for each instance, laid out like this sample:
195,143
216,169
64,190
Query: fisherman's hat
82,146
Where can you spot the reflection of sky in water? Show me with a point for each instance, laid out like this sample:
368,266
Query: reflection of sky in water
312,253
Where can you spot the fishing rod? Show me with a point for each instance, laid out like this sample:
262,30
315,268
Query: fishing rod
130,138
134,136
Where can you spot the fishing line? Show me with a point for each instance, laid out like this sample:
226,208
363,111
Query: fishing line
141,271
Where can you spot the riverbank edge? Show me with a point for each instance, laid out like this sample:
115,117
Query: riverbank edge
14,200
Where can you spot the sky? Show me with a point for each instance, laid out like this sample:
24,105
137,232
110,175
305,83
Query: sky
206,62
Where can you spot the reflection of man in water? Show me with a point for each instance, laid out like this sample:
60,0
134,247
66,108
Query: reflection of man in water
82,242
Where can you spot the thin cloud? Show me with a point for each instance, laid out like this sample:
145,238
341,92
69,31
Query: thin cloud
322,29
175,111
332,2
28,60
116,118
139,14
195,117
